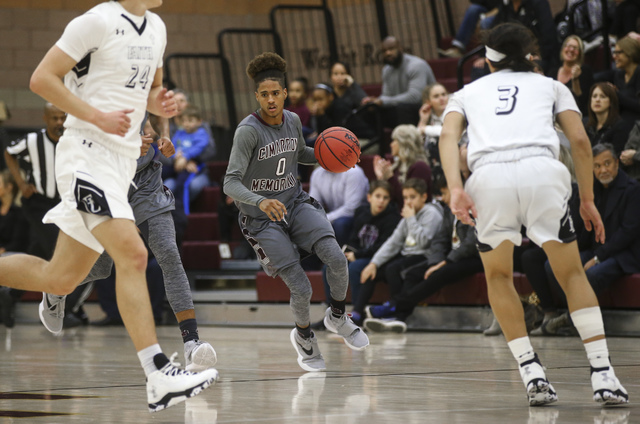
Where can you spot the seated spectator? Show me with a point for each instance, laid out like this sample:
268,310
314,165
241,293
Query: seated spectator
373,225
187,166
617,198
408,244
587,18
481,11
175,123
625,18
14,238
340,195
409,161
349,94
325,111
573,73
626,77
452,256
434,101
404,76
603,123
182,102
297,95
630,156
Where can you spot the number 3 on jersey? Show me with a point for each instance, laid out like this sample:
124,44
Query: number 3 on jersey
508,97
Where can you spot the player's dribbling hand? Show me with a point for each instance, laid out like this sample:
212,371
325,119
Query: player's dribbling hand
592,219
461,205
274,209
117,122
166,147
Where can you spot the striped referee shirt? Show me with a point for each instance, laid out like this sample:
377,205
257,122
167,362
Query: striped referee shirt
36,155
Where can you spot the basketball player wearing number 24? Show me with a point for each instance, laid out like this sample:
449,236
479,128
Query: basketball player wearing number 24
277,217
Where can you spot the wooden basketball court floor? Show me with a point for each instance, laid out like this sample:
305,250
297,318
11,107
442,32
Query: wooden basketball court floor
92,375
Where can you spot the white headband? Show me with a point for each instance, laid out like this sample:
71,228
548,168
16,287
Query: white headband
493,55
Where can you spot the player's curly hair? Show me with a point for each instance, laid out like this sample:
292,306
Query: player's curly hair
517,42
267,66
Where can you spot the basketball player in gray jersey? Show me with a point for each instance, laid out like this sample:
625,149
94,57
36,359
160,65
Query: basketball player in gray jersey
277,217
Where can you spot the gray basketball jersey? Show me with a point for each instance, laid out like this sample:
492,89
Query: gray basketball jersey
265,159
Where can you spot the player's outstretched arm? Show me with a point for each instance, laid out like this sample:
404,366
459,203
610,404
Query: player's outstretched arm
573,128
46,82
461,203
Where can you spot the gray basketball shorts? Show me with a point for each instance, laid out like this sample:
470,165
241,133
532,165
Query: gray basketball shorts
276,243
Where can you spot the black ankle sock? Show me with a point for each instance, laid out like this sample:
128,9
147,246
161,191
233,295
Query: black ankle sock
189,328
305,332
160,360
337,307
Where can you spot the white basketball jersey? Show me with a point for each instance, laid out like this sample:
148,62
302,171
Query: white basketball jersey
509,110
118,54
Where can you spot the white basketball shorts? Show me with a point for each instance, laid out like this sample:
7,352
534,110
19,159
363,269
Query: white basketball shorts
532,191
93,182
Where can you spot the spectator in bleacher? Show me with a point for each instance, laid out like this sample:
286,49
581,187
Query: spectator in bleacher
404,76
625,18
298,93
434,101
479,11
188,167
182,102
340,195
452,256
374,223
349,93
175,123
14,238
587,17
408,244
603,121
325,111
630,156
626,77
409,161
535,15
573,73
617,198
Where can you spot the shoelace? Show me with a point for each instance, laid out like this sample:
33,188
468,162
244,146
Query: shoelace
54,307
173,367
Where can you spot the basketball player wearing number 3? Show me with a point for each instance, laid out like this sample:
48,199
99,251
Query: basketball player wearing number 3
518,180
277,217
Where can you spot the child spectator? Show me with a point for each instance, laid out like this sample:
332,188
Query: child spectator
409,161
408,244
374,223
434,101
187,166
14,238
452,256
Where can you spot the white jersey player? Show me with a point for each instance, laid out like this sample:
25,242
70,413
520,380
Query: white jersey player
111,61
517,180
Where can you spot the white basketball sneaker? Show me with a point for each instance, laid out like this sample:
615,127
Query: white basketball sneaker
539,390
607,389
199,356
170,385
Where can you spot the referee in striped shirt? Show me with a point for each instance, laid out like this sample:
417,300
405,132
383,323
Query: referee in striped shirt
34,155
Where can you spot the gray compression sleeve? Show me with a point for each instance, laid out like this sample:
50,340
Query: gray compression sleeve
300,288
331,255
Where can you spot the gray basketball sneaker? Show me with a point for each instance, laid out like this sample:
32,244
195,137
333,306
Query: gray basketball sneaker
51,311
199,355
353,335
309,356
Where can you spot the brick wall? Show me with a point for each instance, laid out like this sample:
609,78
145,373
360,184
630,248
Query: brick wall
28,28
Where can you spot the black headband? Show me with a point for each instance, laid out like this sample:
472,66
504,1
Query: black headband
268,74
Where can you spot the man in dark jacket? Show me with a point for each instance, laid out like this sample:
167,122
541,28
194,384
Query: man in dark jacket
617,197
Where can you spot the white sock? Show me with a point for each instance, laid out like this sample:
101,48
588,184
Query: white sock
146,358
598,354
521,349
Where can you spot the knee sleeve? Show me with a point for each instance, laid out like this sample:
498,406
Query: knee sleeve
300,287
331,255
101,269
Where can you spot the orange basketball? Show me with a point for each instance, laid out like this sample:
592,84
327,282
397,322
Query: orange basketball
337,149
